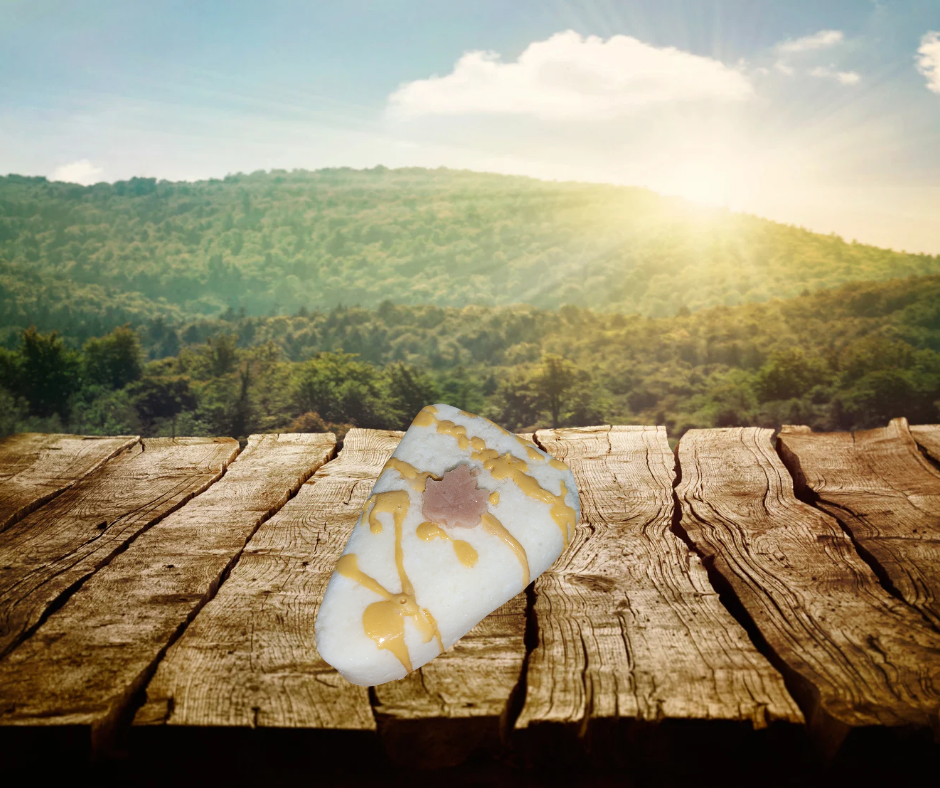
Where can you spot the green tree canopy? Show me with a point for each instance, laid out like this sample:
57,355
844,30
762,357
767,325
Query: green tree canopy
48,373
340,388
115,359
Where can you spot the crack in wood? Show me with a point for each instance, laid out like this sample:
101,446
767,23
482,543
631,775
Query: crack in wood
96,622
820,635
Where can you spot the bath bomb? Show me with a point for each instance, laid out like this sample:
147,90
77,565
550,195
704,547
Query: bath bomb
462,518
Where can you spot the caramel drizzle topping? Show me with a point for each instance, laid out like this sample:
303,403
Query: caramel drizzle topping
464,551
417,479
494,498
509,467
493,526
394,502
384,621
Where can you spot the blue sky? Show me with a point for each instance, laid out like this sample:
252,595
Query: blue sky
824,114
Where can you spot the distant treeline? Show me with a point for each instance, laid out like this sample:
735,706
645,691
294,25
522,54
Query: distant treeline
82,260
847,358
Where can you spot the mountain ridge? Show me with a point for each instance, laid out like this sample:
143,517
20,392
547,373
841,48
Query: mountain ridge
87,258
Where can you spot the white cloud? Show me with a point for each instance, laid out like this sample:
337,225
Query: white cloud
784,68
928,60
81,171
820,40
844,77
568,76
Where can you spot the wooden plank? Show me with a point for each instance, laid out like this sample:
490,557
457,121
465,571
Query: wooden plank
854,656
47,554
629,626
83,666
886,493
249,658
461,701
35,468
928,438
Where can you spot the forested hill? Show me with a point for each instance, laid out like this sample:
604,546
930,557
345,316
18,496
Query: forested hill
83,259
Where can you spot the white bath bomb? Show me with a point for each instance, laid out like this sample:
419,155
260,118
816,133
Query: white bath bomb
463,516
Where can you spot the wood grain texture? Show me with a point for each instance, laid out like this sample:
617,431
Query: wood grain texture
462,700
928,438
34,468
629,627
249,658
854,655
886,493
47,554
84,664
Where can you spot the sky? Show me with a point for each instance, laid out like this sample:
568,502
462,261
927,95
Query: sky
824,114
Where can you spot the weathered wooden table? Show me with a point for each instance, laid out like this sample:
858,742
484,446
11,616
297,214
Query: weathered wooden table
737,605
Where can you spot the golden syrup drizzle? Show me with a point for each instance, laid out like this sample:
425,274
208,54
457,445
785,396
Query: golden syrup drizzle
563,515
534,454
348,566
457,431
530,448
558,464
417,479
494,498
484,455
508,466
493,526
365,516
394,502
463,550
432,623
425,417
384,621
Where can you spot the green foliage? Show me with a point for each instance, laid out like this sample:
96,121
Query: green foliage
82,260
161,397
46,373
114,360
843,359
788,374
339,388
409,390
13,413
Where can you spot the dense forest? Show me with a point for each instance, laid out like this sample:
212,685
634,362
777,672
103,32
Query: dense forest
82,260
851,357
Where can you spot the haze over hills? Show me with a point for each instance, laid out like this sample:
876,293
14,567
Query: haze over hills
84,259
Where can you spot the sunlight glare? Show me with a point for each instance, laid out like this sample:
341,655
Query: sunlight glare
713,177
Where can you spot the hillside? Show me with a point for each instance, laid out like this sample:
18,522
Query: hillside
851,357
84,259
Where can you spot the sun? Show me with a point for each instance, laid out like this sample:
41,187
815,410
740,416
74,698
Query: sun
708,171
704,184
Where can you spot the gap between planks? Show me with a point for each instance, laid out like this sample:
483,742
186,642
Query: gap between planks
248,660
35,468
631,633
855,657
885,494
85,664
50,553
